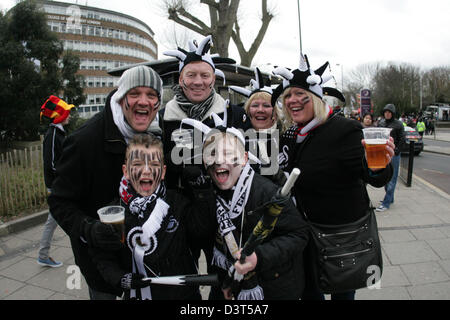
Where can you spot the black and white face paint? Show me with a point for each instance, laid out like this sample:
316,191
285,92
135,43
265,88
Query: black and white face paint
224,159
145,169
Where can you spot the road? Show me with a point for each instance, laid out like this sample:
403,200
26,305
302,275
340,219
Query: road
434,168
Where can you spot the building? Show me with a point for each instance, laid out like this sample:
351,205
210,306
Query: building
104,40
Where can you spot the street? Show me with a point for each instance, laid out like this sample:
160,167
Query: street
434,168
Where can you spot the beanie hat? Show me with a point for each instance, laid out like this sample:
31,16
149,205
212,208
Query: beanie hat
389,107
55,109
303,77
140,76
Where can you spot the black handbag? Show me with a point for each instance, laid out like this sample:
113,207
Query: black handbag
346,257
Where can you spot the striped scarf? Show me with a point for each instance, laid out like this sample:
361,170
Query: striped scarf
193,111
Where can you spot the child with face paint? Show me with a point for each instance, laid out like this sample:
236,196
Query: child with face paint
272,271
158,229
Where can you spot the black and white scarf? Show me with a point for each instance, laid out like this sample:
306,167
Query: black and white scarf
193,111
226,211
142,241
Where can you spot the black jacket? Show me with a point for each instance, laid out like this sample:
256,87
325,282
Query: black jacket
171,253
397,132
331,185
88,177
51,151
279,267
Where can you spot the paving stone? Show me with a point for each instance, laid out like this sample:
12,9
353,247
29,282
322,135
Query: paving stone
426,272
8,286
442,247
396,236
409,252
385,293
22,270
434,291
393,276
30,293
428,234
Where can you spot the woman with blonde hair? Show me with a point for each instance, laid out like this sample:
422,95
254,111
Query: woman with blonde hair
265,118
328,150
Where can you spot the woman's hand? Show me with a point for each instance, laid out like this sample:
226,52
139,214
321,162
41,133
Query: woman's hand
390,150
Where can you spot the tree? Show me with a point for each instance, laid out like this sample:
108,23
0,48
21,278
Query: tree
224,24
30,71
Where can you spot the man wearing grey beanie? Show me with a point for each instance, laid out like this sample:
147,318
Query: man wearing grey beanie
90,169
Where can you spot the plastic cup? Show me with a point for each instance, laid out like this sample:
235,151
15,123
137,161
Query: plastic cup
114,215
376,140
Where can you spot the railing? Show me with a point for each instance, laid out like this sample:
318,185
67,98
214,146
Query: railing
22,187
407,165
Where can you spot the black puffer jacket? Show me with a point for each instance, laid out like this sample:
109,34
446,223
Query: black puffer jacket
280,265
170,254
398,130
88,177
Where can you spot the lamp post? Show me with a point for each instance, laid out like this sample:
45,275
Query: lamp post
342,76
299,27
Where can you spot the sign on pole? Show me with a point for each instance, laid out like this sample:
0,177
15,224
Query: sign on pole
365,101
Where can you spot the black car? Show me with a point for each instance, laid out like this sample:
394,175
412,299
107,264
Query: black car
412,135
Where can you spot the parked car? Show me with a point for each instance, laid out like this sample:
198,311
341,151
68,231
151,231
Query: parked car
411,134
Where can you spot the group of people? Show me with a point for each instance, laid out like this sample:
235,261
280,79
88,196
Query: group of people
183,195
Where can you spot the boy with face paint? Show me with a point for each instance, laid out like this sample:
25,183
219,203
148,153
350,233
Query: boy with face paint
158,228
272,270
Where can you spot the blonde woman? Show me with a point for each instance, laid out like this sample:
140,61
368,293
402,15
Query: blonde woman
329,152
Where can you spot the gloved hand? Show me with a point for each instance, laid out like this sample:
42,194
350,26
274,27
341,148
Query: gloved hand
195,177
133,281
101,235
277,203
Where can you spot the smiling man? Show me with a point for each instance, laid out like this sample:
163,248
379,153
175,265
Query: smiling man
90,168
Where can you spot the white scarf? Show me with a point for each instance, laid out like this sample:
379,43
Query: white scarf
122,124
311,125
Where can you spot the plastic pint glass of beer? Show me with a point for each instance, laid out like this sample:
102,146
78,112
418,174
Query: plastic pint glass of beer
376,140
114,215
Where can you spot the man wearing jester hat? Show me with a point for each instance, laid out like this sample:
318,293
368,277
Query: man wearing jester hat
195,98
274,269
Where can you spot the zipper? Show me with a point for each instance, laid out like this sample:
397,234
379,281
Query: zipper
324,235
346,254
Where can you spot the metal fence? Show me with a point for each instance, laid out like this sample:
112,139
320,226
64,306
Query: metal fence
22,187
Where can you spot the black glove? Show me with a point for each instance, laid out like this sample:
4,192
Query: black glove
101,235
195,177
133,281
278,202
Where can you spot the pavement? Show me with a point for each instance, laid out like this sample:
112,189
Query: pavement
414,233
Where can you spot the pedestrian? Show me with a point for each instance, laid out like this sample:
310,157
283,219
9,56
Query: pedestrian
328,151
420,126
90,168
398,134
158,226
273,270
367,120
58,111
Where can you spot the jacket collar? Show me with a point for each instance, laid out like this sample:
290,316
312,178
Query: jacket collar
114,141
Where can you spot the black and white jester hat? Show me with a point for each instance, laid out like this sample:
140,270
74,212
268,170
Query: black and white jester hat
304,77
256,84
333,92
221,125
196,53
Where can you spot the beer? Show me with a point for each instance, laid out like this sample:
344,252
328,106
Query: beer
114,215
376,153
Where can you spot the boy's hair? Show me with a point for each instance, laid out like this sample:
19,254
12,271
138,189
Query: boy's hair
145,140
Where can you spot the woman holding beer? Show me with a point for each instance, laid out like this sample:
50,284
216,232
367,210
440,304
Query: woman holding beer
329,152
